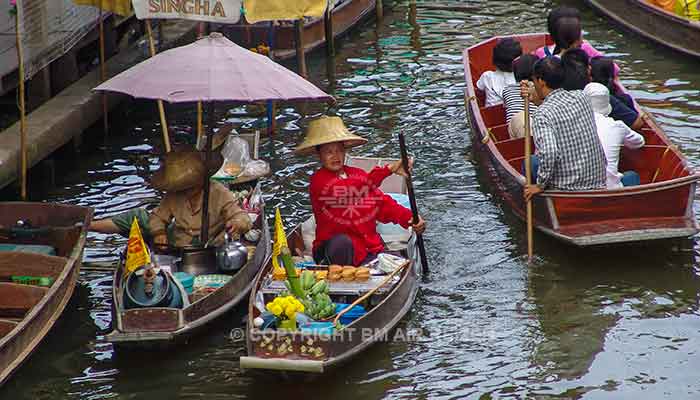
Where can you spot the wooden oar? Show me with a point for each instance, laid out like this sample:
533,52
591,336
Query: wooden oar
412,199
528,177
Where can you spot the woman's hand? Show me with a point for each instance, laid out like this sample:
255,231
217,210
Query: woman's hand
397,167
238,225
418,227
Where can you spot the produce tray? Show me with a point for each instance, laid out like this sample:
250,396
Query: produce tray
271,286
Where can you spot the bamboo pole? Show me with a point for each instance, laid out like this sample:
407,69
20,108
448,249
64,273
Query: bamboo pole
22,110
161,108
328,25
200,125
528,177
301,57
380,9
103,73
271,105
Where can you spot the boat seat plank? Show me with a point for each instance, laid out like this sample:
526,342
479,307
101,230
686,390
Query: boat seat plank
513,148
31,264
16,300
500,133
494,115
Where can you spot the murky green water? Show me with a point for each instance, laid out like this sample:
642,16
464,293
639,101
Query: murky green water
619,323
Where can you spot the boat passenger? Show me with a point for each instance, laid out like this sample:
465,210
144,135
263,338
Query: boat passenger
613,136
623,108
493,82
346,201
568,155
553,26
577,70
512,101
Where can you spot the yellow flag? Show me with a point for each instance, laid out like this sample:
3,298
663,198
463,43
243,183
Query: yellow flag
136,251
270,10
280,240
121,7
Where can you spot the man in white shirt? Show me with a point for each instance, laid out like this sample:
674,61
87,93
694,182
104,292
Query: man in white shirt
613,135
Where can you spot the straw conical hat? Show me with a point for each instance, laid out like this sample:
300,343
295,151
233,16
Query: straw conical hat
326,130
183,170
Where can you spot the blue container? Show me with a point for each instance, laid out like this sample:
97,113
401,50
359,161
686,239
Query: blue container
319,328
187,280
355,313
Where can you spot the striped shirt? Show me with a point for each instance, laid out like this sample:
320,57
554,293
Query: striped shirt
567,144
513,102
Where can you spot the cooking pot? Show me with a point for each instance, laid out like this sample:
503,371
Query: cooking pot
197,260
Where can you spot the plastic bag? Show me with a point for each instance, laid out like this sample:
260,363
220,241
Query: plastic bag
236,155
256,168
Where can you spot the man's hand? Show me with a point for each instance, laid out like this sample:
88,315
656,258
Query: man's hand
418,227
160,240
397,167
531,190
524,89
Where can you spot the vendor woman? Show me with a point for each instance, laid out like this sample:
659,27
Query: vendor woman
346,201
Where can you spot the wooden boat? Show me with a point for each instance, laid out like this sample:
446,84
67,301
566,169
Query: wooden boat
280,38
314,354
163,326
654,23
661,207
49,244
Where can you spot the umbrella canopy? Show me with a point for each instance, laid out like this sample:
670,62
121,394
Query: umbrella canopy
212,69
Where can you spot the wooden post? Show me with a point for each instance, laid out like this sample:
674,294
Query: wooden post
271,117
161,108
380,9
328,25
528,178
22,110
103,73
301,57
204,232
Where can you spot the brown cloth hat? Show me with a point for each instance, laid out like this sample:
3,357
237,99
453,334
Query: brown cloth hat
327,130
183,170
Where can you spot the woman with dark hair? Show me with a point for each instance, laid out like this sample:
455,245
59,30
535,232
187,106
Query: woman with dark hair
576,69
602,71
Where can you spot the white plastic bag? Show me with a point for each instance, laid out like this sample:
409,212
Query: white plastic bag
236,155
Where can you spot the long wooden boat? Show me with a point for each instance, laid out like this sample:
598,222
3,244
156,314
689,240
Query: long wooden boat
48,245
155,327
280,37
661,207
654,23
313,354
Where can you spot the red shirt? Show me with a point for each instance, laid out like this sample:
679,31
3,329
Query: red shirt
352,206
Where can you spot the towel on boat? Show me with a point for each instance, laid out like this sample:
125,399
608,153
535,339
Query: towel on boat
270,10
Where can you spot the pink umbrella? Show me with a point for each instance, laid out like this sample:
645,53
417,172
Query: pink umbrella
212,69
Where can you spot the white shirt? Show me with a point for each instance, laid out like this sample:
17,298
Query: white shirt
613,135
492,83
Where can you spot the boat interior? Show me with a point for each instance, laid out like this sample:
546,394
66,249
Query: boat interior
657,161
36,246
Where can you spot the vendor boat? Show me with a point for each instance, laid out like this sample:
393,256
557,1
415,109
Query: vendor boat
280,36
41,250
654,23
314,353
660,207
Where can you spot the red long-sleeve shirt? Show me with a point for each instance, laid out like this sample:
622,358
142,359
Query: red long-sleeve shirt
352,206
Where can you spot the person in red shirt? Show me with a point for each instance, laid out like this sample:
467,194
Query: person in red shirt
346,201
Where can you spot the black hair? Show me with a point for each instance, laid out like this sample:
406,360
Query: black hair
568,32
575,63
603,72
550,70
560,12
505,52
522,67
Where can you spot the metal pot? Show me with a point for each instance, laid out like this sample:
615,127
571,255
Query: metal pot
198,260
231,256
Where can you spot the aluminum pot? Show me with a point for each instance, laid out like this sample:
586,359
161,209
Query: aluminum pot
198,260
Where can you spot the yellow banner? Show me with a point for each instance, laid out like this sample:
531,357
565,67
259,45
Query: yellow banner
121,7
136,251
270,10
280,240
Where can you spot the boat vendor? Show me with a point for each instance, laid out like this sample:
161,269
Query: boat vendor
346,201
181,176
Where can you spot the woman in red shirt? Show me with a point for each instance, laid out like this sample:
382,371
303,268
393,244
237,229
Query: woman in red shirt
346,201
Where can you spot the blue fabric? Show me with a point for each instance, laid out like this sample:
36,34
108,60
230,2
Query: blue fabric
535,165
28,248
630,178
621,112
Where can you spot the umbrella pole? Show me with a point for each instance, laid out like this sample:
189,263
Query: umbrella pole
161,108
103,73
200,128
328,25
205,194
301,57
271,106
22,120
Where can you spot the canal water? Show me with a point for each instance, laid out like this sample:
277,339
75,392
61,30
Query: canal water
617,323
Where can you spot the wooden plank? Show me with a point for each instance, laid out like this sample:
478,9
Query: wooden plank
31,264
150,319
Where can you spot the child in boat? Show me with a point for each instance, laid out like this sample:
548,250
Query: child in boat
613,136
493,82
554,25
623,109
513,101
